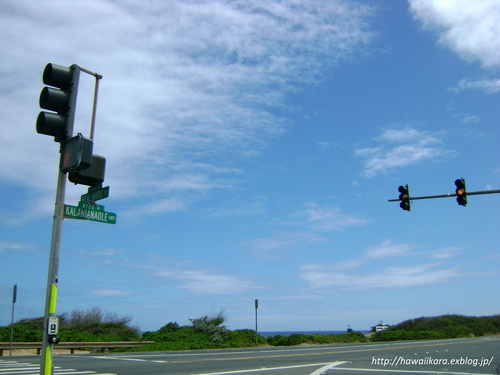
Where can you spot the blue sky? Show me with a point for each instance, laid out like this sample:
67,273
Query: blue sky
251,149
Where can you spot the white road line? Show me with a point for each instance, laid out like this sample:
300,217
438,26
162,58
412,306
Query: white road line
19,368
406,371
329,366
122,359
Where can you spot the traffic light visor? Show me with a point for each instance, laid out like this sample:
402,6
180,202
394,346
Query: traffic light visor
57,76
405,206
51,124
54,99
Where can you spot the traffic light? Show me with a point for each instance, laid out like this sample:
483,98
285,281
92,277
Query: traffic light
61,99
461,192
91,176
404,197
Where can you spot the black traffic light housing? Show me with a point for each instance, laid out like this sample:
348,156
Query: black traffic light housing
92,175
77,159
61,99
461,192
404,197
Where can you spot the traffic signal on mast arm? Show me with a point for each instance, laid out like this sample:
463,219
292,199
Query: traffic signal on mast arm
461,192
61,99
404,197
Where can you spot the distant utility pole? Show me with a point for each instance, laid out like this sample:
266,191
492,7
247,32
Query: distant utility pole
14,299
460,192
256,325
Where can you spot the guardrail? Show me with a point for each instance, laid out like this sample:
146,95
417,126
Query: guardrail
72,346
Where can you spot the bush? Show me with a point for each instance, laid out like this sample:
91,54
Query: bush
445,326
300,338
212,327
395,335
94,325
21,333
243,338
82,326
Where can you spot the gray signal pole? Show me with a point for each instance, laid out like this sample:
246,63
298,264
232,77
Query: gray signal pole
256,326
46,367
14,299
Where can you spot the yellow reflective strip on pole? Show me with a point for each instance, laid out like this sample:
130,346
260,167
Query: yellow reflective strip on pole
48,361
53,299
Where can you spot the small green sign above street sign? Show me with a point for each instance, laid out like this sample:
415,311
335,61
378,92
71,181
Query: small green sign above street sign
95,193
86,211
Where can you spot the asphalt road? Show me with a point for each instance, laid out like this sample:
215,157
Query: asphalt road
459,356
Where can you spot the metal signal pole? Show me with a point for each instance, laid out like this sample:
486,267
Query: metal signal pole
450,195
14,299
46,367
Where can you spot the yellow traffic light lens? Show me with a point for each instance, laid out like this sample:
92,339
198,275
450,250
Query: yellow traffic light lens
460,191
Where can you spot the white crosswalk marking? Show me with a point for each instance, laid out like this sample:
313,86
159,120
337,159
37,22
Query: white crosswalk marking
19,368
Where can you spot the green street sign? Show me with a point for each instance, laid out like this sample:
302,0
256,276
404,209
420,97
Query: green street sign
85,211
95,193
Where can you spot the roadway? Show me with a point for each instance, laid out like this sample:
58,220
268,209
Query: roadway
458,356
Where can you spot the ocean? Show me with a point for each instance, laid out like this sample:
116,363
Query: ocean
288,333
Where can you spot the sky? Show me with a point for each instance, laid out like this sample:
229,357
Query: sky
251,149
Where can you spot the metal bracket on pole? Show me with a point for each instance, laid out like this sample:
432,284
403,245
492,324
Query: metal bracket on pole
94,107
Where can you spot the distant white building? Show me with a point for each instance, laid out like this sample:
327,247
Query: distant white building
380,327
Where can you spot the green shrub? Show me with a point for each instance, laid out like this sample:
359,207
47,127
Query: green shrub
447,326
212,327
300,338
21,333
90,325
242,338
395,335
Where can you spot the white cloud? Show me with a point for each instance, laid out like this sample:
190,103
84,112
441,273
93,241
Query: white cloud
469,28
363,273
388,249
172,94
320,276
281,245
491,86
283,240
9,246
401,148
110,292
326,218
446,252
209,281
